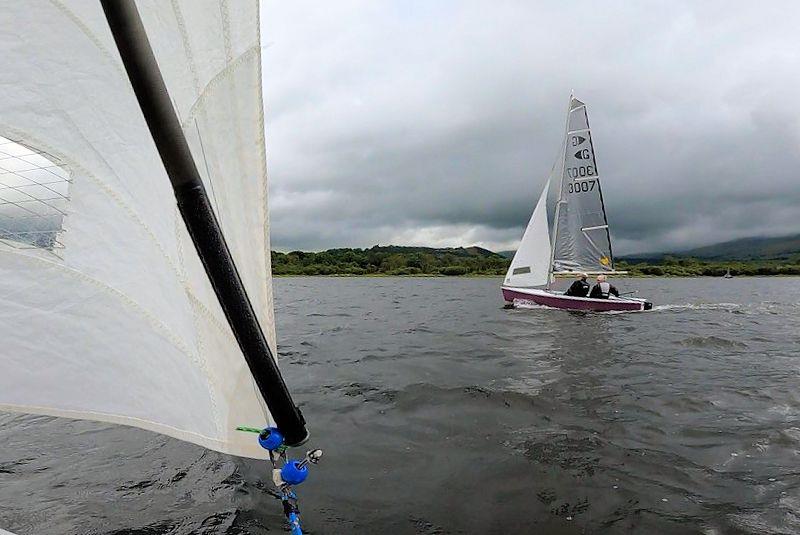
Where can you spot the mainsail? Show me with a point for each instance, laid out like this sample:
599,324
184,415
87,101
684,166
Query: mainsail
581,240
120,323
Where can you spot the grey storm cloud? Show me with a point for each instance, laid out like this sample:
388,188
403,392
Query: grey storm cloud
436,123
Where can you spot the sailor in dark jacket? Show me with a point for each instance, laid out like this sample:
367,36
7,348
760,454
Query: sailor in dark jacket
579,288
603,289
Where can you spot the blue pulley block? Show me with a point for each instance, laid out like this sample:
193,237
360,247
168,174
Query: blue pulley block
270,438
293,473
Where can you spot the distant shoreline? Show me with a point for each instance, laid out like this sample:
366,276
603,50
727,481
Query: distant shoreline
392,261
484,276
387,275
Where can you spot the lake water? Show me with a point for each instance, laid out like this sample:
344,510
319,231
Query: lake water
441,412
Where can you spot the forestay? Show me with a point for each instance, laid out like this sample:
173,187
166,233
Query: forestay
119,323
581,241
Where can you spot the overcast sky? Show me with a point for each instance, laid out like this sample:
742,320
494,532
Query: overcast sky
436,122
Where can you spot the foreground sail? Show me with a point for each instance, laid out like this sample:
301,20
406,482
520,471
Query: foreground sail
568,231
114,318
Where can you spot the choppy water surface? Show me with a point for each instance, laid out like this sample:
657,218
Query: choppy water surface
440,412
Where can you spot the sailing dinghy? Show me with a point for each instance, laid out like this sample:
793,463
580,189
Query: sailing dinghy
128,294
568,231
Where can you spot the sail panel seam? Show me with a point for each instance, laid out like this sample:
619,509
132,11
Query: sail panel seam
225,15
209,88
187,289
89,34
184,280
223,328
187,48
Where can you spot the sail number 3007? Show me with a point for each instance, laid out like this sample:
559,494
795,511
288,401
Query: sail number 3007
581,187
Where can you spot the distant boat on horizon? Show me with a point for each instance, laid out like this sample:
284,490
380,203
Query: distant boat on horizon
568,231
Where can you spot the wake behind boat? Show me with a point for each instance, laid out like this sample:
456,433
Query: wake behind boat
568,231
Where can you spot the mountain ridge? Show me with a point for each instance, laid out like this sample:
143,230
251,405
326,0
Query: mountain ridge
750,248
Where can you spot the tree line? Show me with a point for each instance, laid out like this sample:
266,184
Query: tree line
465,261
391,260
671,266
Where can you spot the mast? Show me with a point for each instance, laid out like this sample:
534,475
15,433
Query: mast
562,158
198,215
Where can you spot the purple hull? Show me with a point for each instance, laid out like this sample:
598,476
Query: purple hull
544,298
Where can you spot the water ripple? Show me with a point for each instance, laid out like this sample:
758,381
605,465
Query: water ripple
441,412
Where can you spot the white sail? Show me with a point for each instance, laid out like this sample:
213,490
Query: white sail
115,320
530,265
581,239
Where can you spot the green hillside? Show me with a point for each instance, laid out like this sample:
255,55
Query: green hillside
391,260
677,266
749,256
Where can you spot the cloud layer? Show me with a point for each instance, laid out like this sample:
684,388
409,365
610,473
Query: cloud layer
436,123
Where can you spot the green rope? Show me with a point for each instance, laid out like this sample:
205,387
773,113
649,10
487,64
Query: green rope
280,450
256,430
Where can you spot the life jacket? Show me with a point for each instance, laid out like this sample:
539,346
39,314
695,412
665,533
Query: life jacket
605,289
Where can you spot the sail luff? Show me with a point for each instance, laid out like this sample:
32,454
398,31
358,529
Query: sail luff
151,92
562,159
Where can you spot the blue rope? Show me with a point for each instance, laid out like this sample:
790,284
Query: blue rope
291,511
294,523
